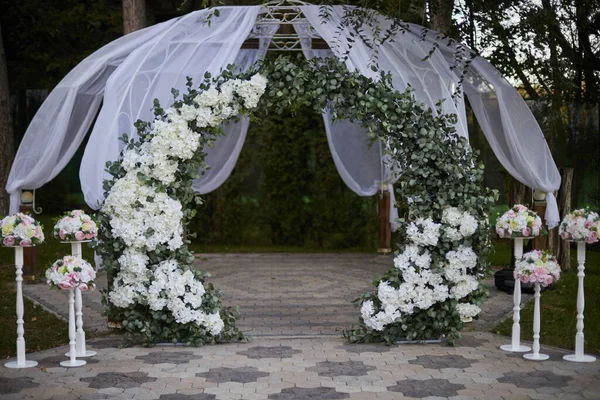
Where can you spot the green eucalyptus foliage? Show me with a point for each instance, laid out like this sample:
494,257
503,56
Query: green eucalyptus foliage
438,168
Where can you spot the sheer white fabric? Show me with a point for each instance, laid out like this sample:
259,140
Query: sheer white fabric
134,70
190,47
61,123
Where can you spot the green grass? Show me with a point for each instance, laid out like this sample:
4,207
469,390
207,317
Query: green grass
558,306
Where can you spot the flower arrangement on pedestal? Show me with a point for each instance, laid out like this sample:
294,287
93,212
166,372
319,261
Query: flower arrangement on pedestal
537,267
75,226
71,272
517,222
581,226
20,230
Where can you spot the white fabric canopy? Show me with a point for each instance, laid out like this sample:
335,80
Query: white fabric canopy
134,70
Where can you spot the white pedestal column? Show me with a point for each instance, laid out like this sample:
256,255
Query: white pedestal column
80,333
515,345
536,330
73,362
21,361
579,356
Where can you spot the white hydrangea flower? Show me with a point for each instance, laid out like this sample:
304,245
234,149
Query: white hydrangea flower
423,232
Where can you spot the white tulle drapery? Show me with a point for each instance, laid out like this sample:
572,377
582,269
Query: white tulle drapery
134,70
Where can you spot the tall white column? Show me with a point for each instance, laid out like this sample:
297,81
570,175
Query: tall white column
80,333
515,345
73,361
21,361
536,329
579,343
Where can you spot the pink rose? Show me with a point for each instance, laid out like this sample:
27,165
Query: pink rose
25,243
536,231
8,241
592,237
64,285
564,235
62,234
526,231
524,278
79,235
83,287
89,236
549,279
500,232
76,213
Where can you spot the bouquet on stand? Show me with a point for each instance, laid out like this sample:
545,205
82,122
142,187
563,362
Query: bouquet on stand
71,272
75,226
580,226
518,222
20,230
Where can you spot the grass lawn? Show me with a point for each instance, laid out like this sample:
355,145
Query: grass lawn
558,306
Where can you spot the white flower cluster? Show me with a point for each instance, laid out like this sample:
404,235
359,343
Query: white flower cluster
421,287
459,224
142,216
467,311
423,232
171,288
456,271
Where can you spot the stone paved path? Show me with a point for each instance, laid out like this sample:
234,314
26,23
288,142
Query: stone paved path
293,307
318,368
282,294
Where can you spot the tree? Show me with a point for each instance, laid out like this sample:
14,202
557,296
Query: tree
134,15
6,131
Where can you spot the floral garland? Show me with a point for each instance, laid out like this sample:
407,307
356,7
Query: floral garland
156,292
21,230
424,283
71,272
75,226
580,225
537,267
519,221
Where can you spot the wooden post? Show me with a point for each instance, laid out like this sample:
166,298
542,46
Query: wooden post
28,252
540,242
385,228
564,207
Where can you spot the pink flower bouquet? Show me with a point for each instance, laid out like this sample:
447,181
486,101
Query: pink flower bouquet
517,222
580,225
71,272
75,226
537,267
20,230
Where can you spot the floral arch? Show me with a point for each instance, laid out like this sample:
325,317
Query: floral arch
158,294
423,138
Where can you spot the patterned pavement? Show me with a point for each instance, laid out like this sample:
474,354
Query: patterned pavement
293,308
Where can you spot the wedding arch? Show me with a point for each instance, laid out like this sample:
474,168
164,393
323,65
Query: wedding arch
417,134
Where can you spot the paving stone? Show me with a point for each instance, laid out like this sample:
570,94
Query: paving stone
15,385
535,379
179,396
269,352
55,360
424,388
365,348
468,341
106,380
438,362
112,342
334,368
298,393
168,357
241,375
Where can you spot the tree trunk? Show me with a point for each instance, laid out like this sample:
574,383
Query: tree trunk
441,15
6,131
564,207
134,15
